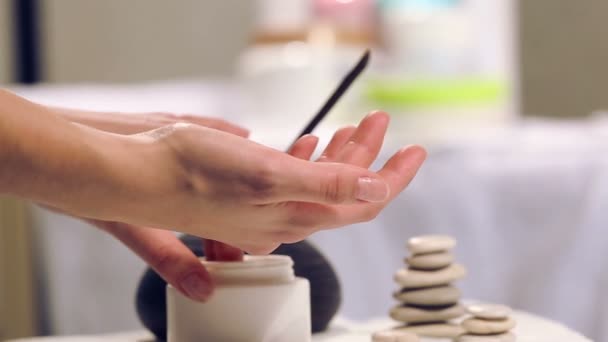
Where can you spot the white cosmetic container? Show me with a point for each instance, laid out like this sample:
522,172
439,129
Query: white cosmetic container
256,300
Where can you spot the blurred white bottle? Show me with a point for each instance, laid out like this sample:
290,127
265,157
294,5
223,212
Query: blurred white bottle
299,51
428,37
434,81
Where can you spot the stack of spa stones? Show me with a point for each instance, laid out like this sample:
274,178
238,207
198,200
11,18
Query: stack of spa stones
489,323
428,300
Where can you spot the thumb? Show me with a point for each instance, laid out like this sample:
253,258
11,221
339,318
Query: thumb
331,183
168,256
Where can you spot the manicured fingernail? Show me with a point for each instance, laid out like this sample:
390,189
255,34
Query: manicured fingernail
196,287
372,190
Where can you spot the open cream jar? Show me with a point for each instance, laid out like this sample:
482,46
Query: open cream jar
256,300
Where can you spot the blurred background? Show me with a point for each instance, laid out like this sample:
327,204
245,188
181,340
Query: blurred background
508,96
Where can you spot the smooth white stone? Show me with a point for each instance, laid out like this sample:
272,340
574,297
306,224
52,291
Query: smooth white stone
489,311
439,330
431,261
408,278
430,243
508,337
409,314
394,336
433,296
484,327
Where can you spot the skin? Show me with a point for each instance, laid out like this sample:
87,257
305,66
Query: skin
194,179
124,123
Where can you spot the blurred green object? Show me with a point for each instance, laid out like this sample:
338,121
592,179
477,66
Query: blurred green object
428,93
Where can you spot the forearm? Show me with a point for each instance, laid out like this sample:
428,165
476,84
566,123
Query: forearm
47,159
132,123
119,123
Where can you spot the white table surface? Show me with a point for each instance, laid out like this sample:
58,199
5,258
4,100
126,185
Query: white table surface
529,328
527,204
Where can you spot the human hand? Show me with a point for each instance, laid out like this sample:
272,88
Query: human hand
170,258
208,183
317,195
161,249
131,123
70,169
350,145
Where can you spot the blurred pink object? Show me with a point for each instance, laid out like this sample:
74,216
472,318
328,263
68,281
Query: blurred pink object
353,15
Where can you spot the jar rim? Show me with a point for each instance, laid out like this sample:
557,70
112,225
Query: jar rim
250,261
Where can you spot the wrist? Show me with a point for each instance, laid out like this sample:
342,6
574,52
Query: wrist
77,169
68,168
119,123
137,171
120,178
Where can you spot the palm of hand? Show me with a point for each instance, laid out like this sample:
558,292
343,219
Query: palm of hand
256,198
268,202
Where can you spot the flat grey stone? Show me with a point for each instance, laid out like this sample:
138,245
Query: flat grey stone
508,337
431,261
489,311
432,296
478,326
410,314
430,244
409,278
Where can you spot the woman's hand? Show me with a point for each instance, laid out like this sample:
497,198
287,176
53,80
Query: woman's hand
355,146
159,248
196,180
184,271
208,183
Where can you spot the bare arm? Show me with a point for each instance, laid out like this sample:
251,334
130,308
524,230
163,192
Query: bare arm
131,123
47,159
196,180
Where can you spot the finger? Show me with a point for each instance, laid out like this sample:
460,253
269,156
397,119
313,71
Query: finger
304,147
363,146
220,251
336,143
168,256
328,183
398,171
401,168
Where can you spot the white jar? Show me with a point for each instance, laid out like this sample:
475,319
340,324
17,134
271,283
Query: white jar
258,299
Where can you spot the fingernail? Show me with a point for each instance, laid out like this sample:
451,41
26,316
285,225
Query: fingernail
372,190
196,287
